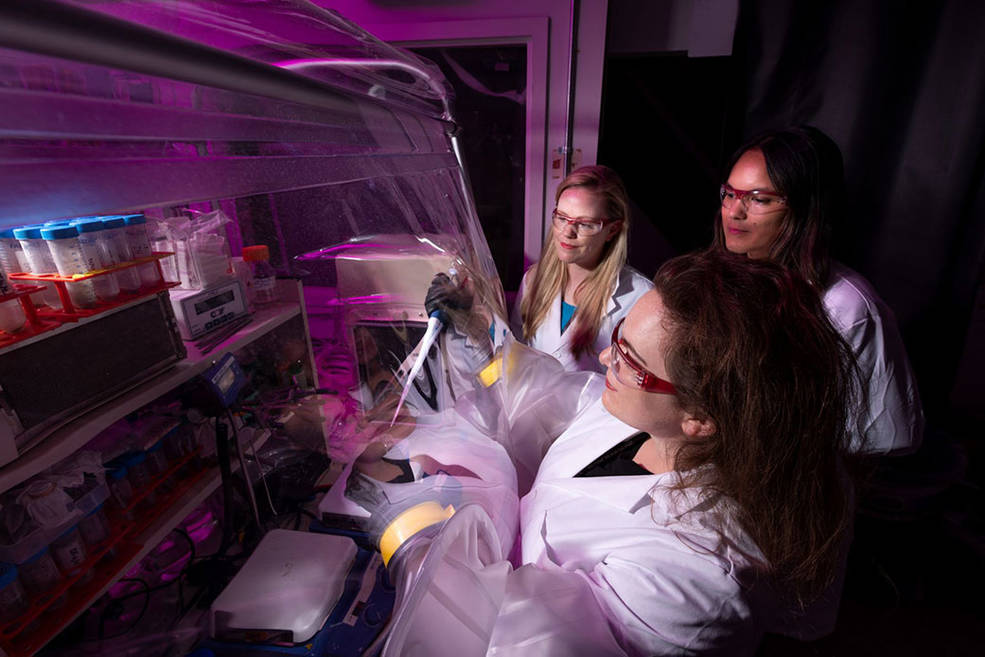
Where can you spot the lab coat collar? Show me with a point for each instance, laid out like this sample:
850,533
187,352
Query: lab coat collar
593,433
624,286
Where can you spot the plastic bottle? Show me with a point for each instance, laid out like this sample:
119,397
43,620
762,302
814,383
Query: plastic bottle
160,240
115,231
244,273
12,257
63,241
13,602
38,258
136,232
95,251
264,276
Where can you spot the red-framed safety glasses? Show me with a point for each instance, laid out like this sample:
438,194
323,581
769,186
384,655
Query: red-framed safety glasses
641,377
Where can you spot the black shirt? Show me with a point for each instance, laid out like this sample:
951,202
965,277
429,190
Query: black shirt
618,461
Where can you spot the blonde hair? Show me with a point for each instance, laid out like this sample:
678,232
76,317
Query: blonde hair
550,276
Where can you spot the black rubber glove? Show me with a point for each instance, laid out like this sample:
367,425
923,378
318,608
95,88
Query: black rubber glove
447,297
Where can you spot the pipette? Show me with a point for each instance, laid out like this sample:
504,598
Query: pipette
436,322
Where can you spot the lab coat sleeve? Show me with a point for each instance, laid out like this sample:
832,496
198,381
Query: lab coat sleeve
892,419
466,600
463,599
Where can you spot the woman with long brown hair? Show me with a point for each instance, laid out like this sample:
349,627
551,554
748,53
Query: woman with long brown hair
581,287
700,502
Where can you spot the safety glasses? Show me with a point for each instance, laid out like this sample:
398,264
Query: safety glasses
753,200
630,373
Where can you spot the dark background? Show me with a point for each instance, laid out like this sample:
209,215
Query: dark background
901,87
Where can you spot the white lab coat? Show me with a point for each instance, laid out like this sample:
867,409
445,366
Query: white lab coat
610,566
630,286
893,421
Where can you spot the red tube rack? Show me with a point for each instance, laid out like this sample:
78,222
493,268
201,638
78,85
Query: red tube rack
41,320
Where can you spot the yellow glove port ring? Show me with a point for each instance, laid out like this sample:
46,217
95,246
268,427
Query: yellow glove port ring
490,373
409,523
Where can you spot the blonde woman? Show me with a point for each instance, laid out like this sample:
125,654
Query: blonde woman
570,301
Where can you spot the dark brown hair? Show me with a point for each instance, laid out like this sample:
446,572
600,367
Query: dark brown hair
805,166
751,349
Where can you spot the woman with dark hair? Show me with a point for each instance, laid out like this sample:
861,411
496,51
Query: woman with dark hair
570,300
698,503
783,192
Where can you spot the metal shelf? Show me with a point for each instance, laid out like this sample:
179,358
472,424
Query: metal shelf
64,441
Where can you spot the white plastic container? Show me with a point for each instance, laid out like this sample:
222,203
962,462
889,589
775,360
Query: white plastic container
136,231
115,230
97,255
264,276
38,258
63,241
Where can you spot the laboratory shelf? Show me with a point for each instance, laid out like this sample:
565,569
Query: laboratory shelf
51,448
139,538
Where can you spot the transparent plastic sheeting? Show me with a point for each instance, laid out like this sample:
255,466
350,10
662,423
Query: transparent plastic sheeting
296,35
476,455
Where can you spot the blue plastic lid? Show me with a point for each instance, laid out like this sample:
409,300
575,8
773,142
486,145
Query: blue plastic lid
8,573
7,233
134,219
34,557
28,233
57,222
95,509
114,222
88,224
59,232
156,446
